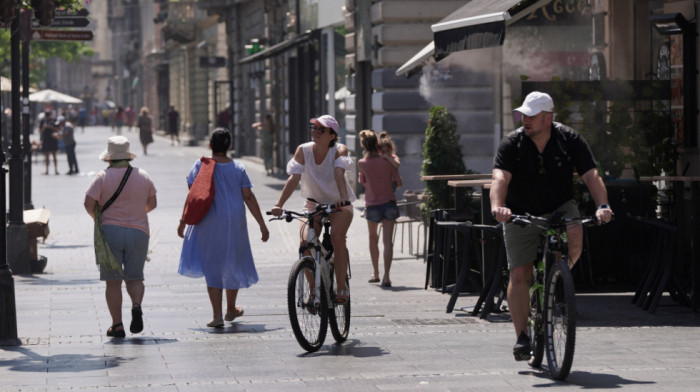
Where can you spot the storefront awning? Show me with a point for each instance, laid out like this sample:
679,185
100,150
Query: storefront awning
416,62
479,24
278,48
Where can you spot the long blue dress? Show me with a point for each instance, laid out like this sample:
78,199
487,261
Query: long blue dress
218,247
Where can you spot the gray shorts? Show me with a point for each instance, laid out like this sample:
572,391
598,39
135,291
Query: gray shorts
522,242
130,247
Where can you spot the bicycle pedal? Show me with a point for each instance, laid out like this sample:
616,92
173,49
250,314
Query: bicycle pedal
522,356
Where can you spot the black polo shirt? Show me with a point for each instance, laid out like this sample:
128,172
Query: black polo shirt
542,182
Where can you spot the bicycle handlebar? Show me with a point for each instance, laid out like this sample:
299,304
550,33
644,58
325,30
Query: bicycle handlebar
555,220
323,209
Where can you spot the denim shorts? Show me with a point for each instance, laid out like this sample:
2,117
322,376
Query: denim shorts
386,211
522,242
130,247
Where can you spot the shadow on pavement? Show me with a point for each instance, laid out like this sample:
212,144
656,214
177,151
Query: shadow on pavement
613,310
240,328
43,279
140,341
33,362
399,288
351,347
586,380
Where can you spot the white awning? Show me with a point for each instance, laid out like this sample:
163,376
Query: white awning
416,62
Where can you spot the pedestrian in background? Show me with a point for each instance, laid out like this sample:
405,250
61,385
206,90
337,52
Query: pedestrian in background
125,226
173,125
67,134
145,124
388,152
119,120
82,118
129,117
49,140
218,247
377,174
267,141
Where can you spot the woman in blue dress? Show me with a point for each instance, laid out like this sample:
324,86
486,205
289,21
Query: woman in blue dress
218,247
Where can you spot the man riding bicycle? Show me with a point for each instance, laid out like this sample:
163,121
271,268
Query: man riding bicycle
533,173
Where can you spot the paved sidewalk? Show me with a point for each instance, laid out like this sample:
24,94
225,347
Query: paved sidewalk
400,338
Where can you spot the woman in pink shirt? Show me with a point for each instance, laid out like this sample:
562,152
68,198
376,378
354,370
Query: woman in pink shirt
125,226
377,175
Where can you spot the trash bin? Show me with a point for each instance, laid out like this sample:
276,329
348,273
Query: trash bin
37,222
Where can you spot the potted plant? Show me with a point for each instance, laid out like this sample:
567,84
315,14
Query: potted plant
442,154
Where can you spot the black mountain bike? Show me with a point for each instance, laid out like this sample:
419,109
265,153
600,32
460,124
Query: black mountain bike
311,289
552,319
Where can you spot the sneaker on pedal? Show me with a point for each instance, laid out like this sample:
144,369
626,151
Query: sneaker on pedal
521,349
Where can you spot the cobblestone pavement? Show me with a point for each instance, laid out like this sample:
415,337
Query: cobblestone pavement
400,338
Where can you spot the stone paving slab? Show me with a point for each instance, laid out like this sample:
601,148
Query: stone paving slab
401,339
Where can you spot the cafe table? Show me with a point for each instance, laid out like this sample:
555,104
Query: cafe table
688,223
451,177
485,184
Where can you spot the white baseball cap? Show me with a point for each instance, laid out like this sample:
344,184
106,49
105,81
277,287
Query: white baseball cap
536,102
327,121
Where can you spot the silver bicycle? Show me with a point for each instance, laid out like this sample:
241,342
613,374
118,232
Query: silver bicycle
311,289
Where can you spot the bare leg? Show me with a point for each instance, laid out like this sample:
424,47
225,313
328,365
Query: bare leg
374,246
46,160
215,297
55,164
231,300
135,289
340,222
518,297
113,295
575,235
387,237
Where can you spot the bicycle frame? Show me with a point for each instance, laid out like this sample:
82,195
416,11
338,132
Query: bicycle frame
323,264
554,242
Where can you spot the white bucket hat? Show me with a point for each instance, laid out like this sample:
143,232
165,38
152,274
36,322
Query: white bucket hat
117,148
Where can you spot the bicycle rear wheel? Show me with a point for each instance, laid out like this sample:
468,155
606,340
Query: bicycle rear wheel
309,322
560,320
340,317
535,326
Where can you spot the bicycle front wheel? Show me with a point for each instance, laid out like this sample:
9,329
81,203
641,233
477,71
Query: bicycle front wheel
560,320
309,321
340,318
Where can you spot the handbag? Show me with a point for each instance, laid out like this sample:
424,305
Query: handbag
103,253
201,194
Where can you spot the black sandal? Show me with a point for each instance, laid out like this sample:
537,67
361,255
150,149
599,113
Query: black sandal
113,332
136,319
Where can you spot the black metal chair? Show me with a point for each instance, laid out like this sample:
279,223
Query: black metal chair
435,256
658,277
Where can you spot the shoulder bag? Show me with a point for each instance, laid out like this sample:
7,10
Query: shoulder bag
201,194
103,253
